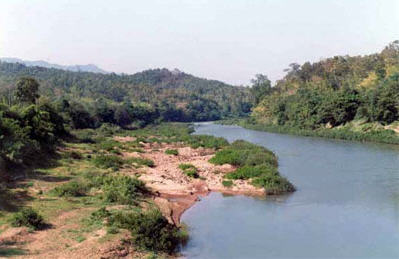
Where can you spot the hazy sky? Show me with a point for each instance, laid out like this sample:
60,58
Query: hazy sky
228,40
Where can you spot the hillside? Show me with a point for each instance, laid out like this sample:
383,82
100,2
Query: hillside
199,99
359,93
40,63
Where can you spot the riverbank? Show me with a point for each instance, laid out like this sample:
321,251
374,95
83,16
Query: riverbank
102,193
357,131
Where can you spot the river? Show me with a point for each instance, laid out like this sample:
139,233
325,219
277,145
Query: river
346,204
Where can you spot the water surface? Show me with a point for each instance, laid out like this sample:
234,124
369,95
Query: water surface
346,205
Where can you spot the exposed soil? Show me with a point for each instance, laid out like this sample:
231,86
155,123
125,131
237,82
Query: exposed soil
174,192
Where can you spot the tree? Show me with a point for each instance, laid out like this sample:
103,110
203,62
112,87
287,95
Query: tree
27,90
261,86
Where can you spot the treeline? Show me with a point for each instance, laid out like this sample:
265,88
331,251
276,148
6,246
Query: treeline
333,92
180,96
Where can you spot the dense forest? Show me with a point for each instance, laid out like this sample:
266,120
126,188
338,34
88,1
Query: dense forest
177,96
334,92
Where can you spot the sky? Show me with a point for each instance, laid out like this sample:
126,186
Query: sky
227,40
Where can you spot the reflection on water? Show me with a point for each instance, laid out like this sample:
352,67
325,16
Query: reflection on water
346,205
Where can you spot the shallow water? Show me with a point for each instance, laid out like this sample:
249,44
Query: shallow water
346,205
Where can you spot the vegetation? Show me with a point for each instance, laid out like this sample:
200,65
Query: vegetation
28,217
189,170
358,96
255,163
150,230
89,99
173,152
71,189
122,189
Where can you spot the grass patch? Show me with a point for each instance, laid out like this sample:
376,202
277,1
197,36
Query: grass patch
227,183
173,152
108,161
141,161
71,189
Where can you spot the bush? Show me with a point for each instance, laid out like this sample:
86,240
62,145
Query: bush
189,170
108,161
122,189
28,217
174,152
150,230
273,184
227,183
71,189
247,172
141,161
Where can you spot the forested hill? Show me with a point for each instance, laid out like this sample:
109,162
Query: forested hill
335,92
197,98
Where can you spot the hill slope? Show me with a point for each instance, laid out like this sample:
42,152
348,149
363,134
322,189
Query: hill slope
40,63
336,92
201,99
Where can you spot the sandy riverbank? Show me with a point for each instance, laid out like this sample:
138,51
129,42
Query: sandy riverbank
173,191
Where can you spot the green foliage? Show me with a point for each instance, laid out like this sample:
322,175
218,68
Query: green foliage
273,183
335,91
28,217
122,189
173,152
150,230
205,141
108,161
190,170
255,163
27,90
141,161
242,153
99,98
227,183
71,189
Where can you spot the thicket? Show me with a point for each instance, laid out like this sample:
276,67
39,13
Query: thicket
254,163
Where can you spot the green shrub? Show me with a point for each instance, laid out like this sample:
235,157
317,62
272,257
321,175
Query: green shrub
205,141
273,184
100,214
189,170
227,183
150,230
108,161
122,189
70,189
174,152
247,172
191,173
241,153
28,217
186,166
141,161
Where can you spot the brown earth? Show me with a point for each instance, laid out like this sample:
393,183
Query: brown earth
174,192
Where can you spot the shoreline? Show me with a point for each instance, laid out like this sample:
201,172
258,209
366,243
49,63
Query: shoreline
388,136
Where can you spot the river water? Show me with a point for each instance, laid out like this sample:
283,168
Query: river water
346,204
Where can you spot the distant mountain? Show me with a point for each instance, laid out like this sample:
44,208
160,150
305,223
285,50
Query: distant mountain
40,63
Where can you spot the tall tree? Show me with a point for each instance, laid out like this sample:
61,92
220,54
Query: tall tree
261,86
27,90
